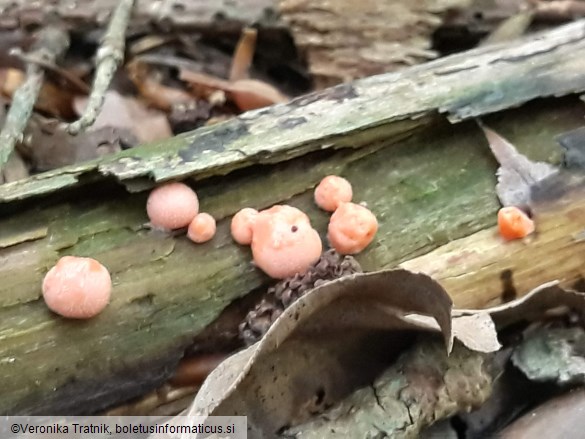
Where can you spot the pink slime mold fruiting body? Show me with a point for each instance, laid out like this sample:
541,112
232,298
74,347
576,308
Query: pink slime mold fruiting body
202,228
351,228
77,288
242,225
332,191
172,206
284,243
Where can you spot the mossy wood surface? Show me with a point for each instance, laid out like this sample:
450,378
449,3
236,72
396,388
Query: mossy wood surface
381,108
429,183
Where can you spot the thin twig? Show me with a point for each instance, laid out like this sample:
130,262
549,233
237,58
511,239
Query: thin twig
72,79
109,57
50,45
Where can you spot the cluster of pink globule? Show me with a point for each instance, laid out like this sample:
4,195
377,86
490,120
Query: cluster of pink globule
282,240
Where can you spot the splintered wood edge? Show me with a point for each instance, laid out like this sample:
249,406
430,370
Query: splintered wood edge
462,86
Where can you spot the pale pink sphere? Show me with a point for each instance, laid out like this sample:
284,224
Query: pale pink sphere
284,243
172,206
351,228
332,191
77,288
202,228
242,225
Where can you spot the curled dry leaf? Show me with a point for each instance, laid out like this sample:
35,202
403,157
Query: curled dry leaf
308,361
477,332
551,351
308,376
516,174
535,305
337,337
250,94
148,125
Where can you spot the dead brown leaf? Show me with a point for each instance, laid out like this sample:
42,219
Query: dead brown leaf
15,169
247,94
533,306
152,91
251,94
52,99
312,373
48,146
424,386
330,341
511,28
147,124
243,55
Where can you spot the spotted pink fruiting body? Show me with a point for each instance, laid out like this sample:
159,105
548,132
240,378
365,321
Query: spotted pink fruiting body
283,242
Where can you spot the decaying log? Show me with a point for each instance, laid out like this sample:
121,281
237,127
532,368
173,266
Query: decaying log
428,181
177,15
379,108
346,40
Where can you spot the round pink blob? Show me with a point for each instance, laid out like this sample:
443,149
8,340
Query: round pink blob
77,288
172,206
332,191
284,243
202,228
242,225
352,228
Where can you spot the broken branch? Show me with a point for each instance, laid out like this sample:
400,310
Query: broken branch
109,57
51,44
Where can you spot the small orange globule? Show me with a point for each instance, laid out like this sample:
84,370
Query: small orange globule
513,223
351,228
332,191
242,225
202,228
